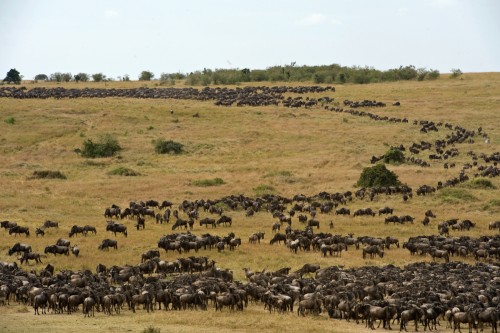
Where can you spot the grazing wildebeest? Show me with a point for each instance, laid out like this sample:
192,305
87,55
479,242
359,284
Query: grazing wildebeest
107,243
7,224
308,268
77,230
180,223
225,220
372,251
56,249
19,230
276,227
39,231
278,238
313,223
116,227
63,242
385,210
150,254
141,223
208,221
51,224
30,256
342,211
18,248
89,228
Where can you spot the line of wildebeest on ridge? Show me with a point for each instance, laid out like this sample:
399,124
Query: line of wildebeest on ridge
428,294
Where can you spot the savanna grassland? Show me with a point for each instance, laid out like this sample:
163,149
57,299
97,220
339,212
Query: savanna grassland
254,150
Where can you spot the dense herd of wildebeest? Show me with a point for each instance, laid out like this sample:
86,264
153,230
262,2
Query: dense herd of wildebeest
418,294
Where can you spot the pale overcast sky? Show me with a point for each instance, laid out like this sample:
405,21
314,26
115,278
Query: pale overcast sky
118,37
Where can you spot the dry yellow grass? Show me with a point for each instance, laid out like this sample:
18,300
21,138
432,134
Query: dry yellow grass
294,151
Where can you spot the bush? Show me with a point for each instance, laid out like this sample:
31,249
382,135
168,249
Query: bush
10,120
208,182
263,189
106,147
168,147
455,195
123,171
394,156
480,183
455,72
378,176
151,329
47,174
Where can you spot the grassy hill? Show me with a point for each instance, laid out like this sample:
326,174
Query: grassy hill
254,150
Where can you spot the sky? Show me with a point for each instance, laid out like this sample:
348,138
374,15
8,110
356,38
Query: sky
118,37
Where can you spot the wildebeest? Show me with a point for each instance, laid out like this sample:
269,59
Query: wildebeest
225,220
150,254
51,224
75,250
372,251
116,227
56,249
278,238
77,230
145,298
180,223
40,301
342,211
39,231
30,256
107,243
208,221
89,228
19,230
313,223
88,306
63,242
385,210
18,248
416,314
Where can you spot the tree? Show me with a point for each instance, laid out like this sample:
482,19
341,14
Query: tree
57,77
84,77
41,77
378,176
146,76
455,72
126,77
98,77
13,77
66,77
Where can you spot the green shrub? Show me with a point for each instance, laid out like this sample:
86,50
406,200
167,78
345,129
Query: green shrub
377,176
455,72
47,174
10,120
455,195
208,182
263,189
106,147
480,183
394,156
151,329
123,171
168,147
492,205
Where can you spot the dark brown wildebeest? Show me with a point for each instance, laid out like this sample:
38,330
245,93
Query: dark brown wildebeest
18,248
56,249
372,251
107,243
30,256
116,227
19,230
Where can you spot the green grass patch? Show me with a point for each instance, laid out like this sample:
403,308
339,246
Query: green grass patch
455,195
263,189
492,206
168,147
123,171
280,173
47,174
107,146
10,120
208,182
479,183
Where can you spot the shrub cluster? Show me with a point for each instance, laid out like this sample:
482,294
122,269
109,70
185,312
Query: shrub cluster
106,147
47,174
394,156
123,171
378,176
208,182
168,147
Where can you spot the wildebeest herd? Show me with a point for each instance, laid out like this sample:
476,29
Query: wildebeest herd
418,294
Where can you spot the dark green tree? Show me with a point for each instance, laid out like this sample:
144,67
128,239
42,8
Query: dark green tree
378,176
41,77
146,76
13,76
98,77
